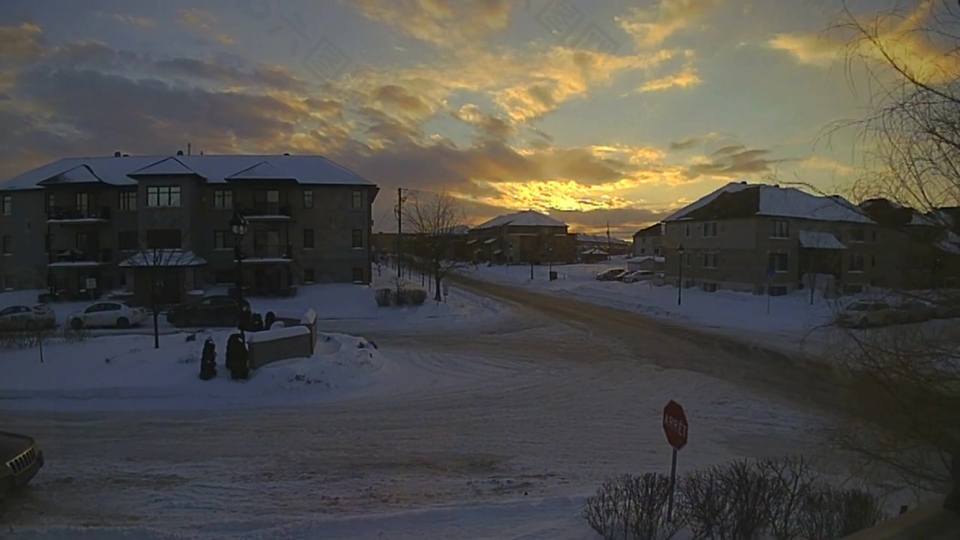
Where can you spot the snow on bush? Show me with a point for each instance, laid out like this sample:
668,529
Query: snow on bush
776,499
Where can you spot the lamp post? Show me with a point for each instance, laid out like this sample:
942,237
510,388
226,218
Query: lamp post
680,274
238,225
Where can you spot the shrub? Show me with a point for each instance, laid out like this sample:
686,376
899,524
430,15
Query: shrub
383,297
416,297
831,513
632,506
31,339
398,298
792,480
727,502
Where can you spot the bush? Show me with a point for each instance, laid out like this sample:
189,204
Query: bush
416,297
792,480
398,298
831,513
632,506
384,297
30,339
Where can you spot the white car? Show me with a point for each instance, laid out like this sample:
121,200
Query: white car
639,275
27,318
115,314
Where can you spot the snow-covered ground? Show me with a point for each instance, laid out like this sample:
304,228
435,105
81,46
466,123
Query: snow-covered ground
790,322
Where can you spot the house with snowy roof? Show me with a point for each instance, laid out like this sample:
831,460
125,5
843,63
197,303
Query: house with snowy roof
527,237
768,238
85,226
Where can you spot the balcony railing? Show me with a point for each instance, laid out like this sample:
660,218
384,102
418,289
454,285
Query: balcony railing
271,252
267,210
80,257
58,213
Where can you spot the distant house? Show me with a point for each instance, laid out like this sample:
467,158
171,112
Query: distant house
758,237
593,255
648,241
523,237
608,244
651,263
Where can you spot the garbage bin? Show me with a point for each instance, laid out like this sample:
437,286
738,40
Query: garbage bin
553,275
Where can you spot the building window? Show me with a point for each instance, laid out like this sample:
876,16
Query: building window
708,286
358,275
164,239
858,235
51,203
686,259
781,229
357,240
127,240
308,276
223,240
643,251
709,229
710,259
223,199
856,262
778,262
686,230
163,196
82,203
357,200
6,205
7,244
308,198
128,200
82,240
308,239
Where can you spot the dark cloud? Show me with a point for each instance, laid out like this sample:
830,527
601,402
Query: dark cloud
20,43
397,99
685,144
734,161
623,221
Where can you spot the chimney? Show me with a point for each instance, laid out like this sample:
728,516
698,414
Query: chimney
116,154
189,146
179,152
286,153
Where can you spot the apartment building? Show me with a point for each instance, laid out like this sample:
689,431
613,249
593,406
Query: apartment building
758,238
85,226
648,242
522,237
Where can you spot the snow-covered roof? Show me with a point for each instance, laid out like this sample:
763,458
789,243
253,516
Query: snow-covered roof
643,258
163,258
948,247
594,251
596,238
776,201
527,218
820,240
216,169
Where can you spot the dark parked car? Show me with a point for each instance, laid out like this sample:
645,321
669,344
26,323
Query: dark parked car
217,310
20,460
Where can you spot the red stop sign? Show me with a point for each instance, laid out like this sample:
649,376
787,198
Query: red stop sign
675,424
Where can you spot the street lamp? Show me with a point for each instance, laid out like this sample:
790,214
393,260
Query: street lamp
680,274
238,225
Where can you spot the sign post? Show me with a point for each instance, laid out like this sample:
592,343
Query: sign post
675,428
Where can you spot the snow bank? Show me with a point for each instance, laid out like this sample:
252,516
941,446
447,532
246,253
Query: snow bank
125,371
277,334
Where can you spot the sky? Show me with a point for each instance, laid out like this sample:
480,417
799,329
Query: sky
593,111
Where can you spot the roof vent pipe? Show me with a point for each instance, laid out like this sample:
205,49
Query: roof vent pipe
116,154
179,152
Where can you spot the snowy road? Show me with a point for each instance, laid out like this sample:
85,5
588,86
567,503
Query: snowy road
531,410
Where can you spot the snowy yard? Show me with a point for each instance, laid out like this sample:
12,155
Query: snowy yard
789,322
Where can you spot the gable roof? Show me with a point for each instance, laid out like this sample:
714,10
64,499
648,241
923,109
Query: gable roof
652,230
526,218
261,171
599,239
215,169
80,174
739,199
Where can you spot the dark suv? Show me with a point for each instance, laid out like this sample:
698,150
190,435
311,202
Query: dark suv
20,460
214,310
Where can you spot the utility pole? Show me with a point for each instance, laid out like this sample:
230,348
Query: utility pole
608,239
399,233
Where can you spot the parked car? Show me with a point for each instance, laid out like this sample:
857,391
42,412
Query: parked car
103,314
864,313
20,460
946,308
639,275
611,274
39,316
913,311
214,310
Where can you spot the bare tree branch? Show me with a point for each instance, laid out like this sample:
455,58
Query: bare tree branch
438,224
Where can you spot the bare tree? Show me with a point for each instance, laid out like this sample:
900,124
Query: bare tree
437,221
153,259
907,379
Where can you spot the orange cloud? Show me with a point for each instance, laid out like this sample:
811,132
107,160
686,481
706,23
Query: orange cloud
201,21
20,43
685,78
651,27
446,23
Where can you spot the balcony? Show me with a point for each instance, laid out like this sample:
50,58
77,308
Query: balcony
78,216
78,258
269,254
265,211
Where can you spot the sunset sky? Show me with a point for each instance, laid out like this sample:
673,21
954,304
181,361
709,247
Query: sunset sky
593,110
